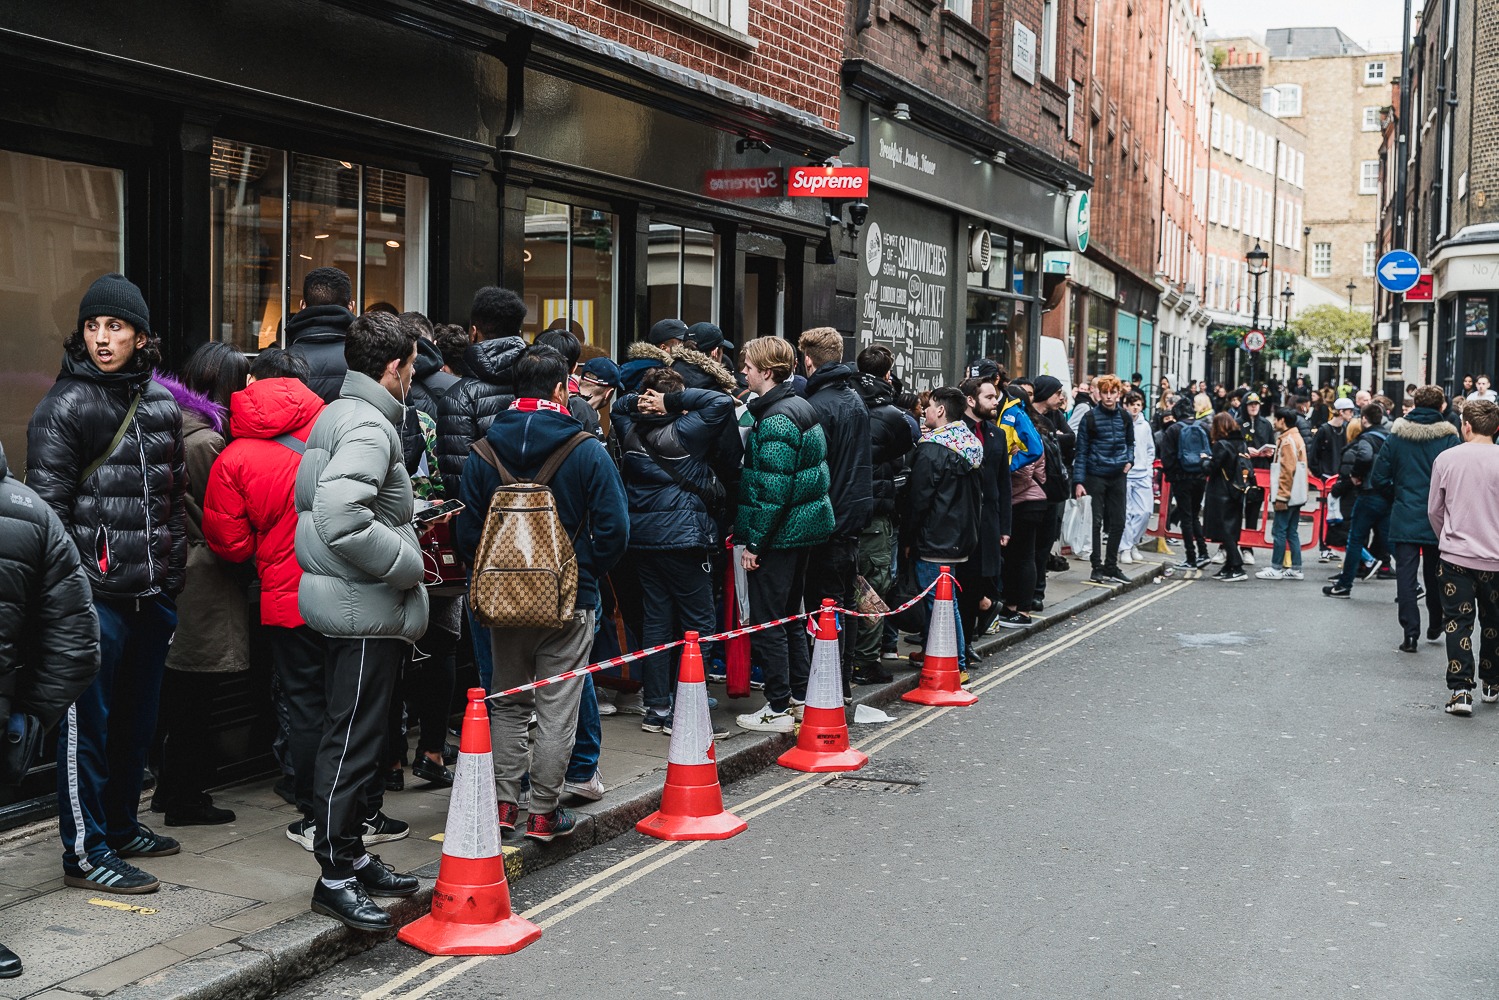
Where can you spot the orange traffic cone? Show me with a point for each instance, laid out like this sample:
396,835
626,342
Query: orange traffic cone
692,803
822,741
939,667
471,903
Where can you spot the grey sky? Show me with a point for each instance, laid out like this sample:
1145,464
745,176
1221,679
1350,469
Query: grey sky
1374,24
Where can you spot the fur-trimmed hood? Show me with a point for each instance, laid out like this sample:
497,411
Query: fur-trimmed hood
644,351
1422,424
709,367
191,401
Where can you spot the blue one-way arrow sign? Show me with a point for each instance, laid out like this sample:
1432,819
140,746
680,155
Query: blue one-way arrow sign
1398,271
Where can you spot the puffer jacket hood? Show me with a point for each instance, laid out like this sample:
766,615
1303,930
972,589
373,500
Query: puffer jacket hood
587,490
1184,409
192,401
270,407
127,518
700,371
465,411
428,359
361,562
317,334
639,359
1422,424
248,509
429,382
1402,472
956,437
49,633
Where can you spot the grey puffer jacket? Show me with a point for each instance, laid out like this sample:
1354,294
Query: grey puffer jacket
361,564
49,633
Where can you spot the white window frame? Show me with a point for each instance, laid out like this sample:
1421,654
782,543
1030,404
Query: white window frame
1322,260
1368,177
1213,196
1270,101
1371,120
1238,140
1048,38
1290,100
1296,228
1369,259
1217,132
1248,156
731,15
1238,219
1374,73
1300,170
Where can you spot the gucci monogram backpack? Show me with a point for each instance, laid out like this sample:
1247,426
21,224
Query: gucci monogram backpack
525,572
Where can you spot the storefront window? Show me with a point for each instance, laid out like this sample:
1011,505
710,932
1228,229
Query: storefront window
61,226
1100,339
569,260
681,274
269,232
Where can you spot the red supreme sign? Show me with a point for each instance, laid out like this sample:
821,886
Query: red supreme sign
828,182
760,182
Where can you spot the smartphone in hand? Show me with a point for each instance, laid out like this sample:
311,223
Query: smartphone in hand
436,512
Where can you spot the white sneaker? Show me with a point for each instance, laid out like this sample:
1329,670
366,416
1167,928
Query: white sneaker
796,709
1326,555
1219,557
605,698
1270,573
593,789
1126,556
1294,574
767,720
630,704
1248,555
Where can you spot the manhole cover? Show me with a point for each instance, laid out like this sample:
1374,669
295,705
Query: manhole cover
895,786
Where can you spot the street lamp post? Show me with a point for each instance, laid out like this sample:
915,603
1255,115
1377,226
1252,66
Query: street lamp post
1285,324
1256,259
1352,287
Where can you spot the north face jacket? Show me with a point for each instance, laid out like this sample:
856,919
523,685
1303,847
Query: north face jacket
49,633
783,492
248,507
361,563
128,519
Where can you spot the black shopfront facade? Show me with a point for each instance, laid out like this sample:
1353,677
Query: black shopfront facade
215,153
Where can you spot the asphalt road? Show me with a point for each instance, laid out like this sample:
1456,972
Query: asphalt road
1204,790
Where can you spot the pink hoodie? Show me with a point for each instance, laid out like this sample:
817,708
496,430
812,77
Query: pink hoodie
1464,481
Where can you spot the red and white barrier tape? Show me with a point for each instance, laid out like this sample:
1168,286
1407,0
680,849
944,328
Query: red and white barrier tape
640,654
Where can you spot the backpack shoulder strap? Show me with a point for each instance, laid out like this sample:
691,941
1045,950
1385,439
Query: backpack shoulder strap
487,454
291,441
549,469
114,443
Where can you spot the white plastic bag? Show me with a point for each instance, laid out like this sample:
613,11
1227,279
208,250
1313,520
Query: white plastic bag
1077,526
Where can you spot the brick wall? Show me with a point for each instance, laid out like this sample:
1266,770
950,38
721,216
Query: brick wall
935,49
1037,112
1477,132
796,60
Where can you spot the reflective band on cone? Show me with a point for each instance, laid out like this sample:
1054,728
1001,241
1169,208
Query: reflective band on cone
822,741
940,684
692,801
471,902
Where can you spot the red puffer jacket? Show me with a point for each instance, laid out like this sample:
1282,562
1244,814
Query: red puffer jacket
248,510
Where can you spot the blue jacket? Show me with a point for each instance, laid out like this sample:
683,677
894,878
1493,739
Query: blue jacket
663,515
1402,471
1018,425
586,487
1105,443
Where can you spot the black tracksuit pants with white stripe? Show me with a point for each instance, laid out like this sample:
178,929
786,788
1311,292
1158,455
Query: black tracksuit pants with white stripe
360,677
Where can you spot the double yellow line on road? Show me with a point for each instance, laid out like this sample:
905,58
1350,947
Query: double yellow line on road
618,876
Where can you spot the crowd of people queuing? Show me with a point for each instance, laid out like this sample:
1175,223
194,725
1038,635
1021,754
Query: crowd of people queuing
335,497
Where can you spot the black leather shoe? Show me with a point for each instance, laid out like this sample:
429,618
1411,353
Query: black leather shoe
1409,645
379,879
10,963
199,814
450,754
350,906
430,771
395,779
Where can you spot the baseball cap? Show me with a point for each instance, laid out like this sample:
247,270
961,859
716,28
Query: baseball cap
707,336
601,370
667,329
1344,404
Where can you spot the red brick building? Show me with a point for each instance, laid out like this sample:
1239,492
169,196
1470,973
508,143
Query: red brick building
966,114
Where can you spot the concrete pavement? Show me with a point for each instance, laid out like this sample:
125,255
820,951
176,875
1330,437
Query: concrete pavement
231,919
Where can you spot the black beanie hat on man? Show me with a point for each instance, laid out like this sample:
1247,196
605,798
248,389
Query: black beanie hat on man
115,295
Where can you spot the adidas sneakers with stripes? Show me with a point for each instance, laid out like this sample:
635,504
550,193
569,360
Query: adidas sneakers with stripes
109,874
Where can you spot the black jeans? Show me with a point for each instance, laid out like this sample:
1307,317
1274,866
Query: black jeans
1407,556
361,678
1051,530
427,686
679,597
1230,523
831,568
1188,497
190,751
775,591
1108,515
1468,594
972,587
1027,524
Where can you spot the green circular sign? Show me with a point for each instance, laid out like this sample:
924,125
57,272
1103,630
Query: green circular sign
1077,220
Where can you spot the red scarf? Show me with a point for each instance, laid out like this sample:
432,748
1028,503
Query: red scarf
533,405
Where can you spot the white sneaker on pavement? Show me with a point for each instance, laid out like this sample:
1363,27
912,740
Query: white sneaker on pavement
1248,555
593,789
1294,574
1270,573
796,709
767,720
1219,557
1126,557
630,704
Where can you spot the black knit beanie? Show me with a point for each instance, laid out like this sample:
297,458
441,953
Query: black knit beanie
115,295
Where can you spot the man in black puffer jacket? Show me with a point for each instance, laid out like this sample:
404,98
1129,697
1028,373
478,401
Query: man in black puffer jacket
832,566
49,634
469,406
890,440
104,449
316,333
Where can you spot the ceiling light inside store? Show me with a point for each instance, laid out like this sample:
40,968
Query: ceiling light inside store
393,244
321,236
346,164
304,256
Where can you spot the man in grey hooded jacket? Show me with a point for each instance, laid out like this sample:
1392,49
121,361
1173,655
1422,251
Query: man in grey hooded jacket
362,588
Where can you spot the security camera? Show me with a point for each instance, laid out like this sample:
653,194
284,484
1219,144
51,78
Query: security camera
832,220
857,213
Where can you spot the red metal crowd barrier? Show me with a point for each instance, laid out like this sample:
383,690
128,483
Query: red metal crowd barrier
1259,537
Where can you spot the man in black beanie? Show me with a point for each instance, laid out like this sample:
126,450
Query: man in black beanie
104,449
